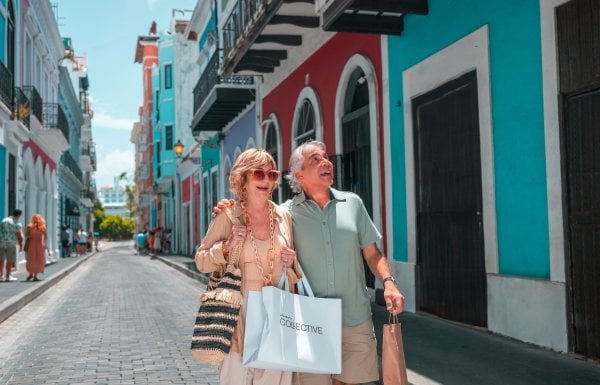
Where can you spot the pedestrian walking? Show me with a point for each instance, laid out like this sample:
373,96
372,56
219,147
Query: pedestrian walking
96,239
81,246
36,235
10,237
141,242
157,245
64,241
72,245
263,232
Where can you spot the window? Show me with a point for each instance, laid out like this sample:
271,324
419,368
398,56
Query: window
168,76
215,187
306,129
10,39
169,137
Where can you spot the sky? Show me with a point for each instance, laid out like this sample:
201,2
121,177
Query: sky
106,31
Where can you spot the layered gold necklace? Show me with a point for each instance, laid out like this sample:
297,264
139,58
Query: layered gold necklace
268,278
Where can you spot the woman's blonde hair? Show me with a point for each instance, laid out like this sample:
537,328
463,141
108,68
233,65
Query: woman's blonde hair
246,161
38,222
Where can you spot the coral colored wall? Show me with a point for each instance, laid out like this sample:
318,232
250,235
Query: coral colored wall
324,80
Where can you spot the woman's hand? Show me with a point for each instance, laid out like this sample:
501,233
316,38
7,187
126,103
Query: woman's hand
238,234
288,256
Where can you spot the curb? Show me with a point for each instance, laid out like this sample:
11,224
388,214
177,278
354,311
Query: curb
197,276
12,305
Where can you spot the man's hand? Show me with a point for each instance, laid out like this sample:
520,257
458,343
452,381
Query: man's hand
222,205
394,300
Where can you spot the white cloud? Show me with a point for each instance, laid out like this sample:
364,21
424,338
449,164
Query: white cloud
107,121
112,164
151,3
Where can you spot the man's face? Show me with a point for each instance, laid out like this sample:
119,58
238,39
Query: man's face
317,170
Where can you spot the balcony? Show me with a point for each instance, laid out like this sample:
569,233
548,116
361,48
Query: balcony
6,87
70,163
385,17
36,101
258,33
22,110
85,160
219,99
55,130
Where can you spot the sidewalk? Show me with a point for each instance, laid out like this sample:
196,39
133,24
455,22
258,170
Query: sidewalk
437,351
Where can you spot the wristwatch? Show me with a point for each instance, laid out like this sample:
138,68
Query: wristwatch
390,278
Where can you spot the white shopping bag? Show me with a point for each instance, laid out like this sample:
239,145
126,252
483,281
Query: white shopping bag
293,332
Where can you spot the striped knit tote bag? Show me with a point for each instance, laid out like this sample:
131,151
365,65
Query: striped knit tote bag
218,314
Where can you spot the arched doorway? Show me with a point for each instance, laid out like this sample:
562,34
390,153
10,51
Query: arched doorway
353,164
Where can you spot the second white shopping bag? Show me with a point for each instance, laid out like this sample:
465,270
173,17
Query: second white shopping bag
293,332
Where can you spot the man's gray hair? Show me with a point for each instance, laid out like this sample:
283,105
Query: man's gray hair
296,162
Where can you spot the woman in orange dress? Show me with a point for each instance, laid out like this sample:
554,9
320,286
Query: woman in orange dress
36,253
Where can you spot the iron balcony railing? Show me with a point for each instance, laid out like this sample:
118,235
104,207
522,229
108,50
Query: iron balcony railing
36,101
54,118
240,17
71,164
22,107
6,87
210,78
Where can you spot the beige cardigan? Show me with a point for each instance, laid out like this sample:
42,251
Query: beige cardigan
210,258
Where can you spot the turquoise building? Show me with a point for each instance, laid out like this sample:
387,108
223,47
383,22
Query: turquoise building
476,231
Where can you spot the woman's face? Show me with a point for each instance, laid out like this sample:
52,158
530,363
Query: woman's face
260,182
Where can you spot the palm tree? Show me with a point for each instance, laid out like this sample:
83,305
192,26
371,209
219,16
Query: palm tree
130,190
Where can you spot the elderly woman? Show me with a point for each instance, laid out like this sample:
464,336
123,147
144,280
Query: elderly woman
36,248
264,233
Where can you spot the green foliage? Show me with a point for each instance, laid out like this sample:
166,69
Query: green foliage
115,227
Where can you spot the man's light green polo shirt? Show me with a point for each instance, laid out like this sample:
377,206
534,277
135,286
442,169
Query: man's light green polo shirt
329,244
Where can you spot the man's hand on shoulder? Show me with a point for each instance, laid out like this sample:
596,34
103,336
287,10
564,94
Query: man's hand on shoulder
222,205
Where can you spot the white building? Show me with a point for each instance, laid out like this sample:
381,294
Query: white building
113,200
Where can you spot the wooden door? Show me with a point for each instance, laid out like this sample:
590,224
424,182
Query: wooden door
451,279
577,23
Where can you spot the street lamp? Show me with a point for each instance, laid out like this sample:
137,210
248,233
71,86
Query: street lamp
210,143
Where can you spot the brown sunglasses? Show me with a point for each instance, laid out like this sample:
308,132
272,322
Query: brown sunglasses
259,174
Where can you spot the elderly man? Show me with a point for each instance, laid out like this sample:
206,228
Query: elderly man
10,237
332,234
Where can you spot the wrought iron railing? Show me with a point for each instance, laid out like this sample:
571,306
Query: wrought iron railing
6,86
22,107
210,78
241,16
36,101
54,118
71,164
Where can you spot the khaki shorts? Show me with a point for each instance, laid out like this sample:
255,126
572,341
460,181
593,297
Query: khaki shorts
359,358
9,253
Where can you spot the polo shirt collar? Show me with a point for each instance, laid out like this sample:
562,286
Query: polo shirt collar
333,195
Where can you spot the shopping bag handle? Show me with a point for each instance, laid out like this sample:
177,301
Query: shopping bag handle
303,285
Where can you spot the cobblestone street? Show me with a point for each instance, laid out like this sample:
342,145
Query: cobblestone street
118,319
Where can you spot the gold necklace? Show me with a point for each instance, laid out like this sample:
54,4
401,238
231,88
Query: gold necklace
267,279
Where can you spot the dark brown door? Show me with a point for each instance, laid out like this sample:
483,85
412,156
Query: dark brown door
353,167
578,22
450,253
582,142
